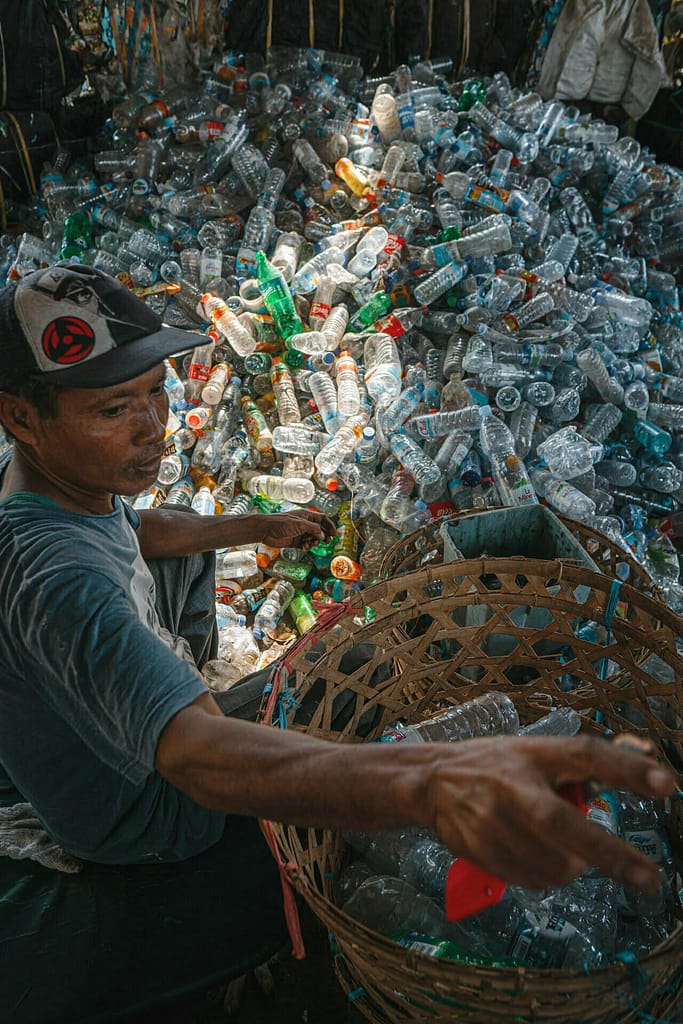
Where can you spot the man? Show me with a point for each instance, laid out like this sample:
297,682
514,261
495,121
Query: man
107,728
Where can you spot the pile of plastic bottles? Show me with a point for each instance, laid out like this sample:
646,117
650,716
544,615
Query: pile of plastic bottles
412,296
397,883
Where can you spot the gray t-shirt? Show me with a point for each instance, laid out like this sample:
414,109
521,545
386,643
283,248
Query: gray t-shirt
88,680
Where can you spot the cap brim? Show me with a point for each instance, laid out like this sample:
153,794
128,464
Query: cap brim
127,361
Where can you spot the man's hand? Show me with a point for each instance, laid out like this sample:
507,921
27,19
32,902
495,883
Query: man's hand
296,529
496,802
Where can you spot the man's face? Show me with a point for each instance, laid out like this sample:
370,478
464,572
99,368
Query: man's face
107,440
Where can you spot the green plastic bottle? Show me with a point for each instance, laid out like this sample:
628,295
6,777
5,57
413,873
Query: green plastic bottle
473,91
77,236
277,298
376,307
302,611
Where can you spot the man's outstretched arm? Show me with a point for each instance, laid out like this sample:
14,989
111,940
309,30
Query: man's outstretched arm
494,801
168,533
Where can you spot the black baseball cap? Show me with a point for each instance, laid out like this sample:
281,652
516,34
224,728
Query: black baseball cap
76,326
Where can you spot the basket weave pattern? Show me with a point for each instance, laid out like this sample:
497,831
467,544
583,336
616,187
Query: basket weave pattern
437,659
410,552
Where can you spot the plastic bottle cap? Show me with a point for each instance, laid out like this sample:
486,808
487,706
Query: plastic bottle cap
332,485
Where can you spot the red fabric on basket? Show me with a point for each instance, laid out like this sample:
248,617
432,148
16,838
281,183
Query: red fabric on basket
327,618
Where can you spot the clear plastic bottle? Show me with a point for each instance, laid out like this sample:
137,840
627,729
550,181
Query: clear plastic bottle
392,907
491,714
342,445
601,421
479,354
230,326
409,454
172,468
509,471
281,488
385,114
309,274
382,368
538,307
664,477
558,722
640,825
285,394
297,440
273,608
203,502
212,392
568,454
348,395
402,406
430,289
324,394
609,389
569,500
439,424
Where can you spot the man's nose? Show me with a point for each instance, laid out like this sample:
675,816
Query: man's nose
151,425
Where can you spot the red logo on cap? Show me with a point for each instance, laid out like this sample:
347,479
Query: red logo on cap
68,340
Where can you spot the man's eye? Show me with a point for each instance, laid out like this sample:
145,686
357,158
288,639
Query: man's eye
158,389
114,410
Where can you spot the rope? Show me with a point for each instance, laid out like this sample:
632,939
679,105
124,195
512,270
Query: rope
639,978
430,25
269,26
21,144
466,36
612,604
155,43
62,69
340,22
311,24
3,209
120,50
3,95
280,694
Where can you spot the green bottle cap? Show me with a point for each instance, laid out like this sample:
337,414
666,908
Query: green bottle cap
294,359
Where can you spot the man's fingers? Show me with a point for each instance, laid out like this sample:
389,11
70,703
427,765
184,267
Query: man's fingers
617,766
601,849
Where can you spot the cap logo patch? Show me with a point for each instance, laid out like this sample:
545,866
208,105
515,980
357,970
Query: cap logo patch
68,340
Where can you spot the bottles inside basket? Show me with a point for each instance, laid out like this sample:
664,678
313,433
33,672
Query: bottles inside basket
396,886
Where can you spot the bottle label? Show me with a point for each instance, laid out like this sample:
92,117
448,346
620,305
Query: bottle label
443,254
493,199
604,811
532,282
650,842
543,940
511,322
320,310
390,325
394,244
392,734
199,371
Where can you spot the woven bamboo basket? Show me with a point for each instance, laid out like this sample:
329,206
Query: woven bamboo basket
424,546
433,662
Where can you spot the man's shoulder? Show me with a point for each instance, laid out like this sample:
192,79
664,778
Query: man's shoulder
37,534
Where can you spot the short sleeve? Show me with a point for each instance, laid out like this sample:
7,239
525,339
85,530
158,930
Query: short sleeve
110,678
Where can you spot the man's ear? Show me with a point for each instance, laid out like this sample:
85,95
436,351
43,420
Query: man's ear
20,417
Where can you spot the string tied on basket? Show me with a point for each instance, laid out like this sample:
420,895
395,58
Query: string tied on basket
612,605
282,699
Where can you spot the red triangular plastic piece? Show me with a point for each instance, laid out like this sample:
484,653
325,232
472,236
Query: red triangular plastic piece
470,889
